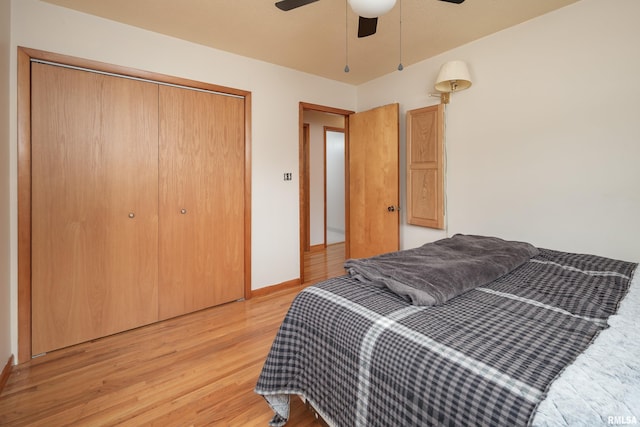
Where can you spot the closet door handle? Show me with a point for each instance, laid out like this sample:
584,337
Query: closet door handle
183,211
132,215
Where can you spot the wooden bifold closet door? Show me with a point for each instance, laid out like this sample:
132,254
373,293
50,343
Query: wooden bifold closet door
201,200
94,205
137,203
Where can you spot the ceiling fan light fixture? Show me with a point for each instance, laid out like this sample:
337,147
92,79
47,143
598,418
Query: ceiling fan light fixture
371,8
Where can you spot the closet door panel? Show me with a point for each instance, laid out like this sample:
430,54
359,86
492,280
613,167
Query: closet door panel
94,205
201,258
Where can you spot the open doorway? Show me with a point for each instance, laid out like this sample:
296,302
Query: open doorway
334,185
323,235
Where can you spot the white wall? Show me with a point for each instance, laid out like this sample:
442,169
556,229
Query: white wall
545,145
276,93
5,142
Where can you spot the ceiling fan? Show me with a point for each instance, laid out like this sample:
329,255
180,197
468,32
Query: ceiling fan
368,11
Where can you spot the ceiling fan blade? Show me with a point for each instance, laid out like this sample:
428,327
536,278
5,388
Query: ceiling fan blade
367,26
292,4
454,1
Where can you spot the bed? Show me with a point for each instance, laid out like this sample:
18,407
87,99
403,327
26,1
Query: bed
468,330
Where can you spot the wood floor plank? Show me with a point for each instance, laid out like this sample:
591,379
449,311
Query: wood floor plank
195,370
326,263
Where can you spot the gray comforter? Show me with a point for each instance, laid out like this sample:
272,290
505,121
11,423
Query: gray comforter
436,272
363,356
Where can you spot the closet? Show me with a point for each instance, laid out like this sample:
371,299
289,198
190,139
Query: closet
137,203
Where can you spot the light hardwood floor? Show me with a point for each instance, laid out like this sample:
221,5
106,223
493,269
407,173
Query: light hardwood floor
318,265
195,370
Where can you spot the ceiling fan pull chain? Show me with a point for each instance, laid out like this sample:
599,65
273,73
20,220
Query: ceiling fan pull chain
346,35
400,66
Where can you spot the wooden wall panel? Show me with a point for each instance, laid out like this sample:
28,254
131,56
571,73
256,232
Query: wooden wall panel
425,167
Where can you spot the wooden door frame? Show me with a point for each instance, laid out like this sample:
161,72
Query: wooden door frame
305,158
305,106
25,55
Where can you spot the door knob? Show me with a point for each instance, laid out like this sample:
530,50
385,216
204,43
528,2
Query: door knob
132,215
183,211
393,208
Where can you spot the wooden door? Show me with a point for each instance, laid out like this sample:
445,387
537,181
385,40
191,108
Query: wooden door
94,205
201,245
374,197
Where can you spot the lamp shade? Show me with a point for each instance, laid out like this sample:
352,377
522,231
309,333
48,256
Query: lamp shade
371,8
453,76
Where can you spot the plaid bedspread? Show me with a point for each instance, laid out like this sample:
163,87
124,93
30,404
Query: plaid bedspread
364,356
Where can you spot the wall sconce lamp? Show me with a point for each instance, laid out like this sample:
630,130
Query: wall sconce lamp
453,77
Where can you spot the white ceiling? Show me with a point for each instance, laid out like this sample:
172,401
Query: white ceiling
313,38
